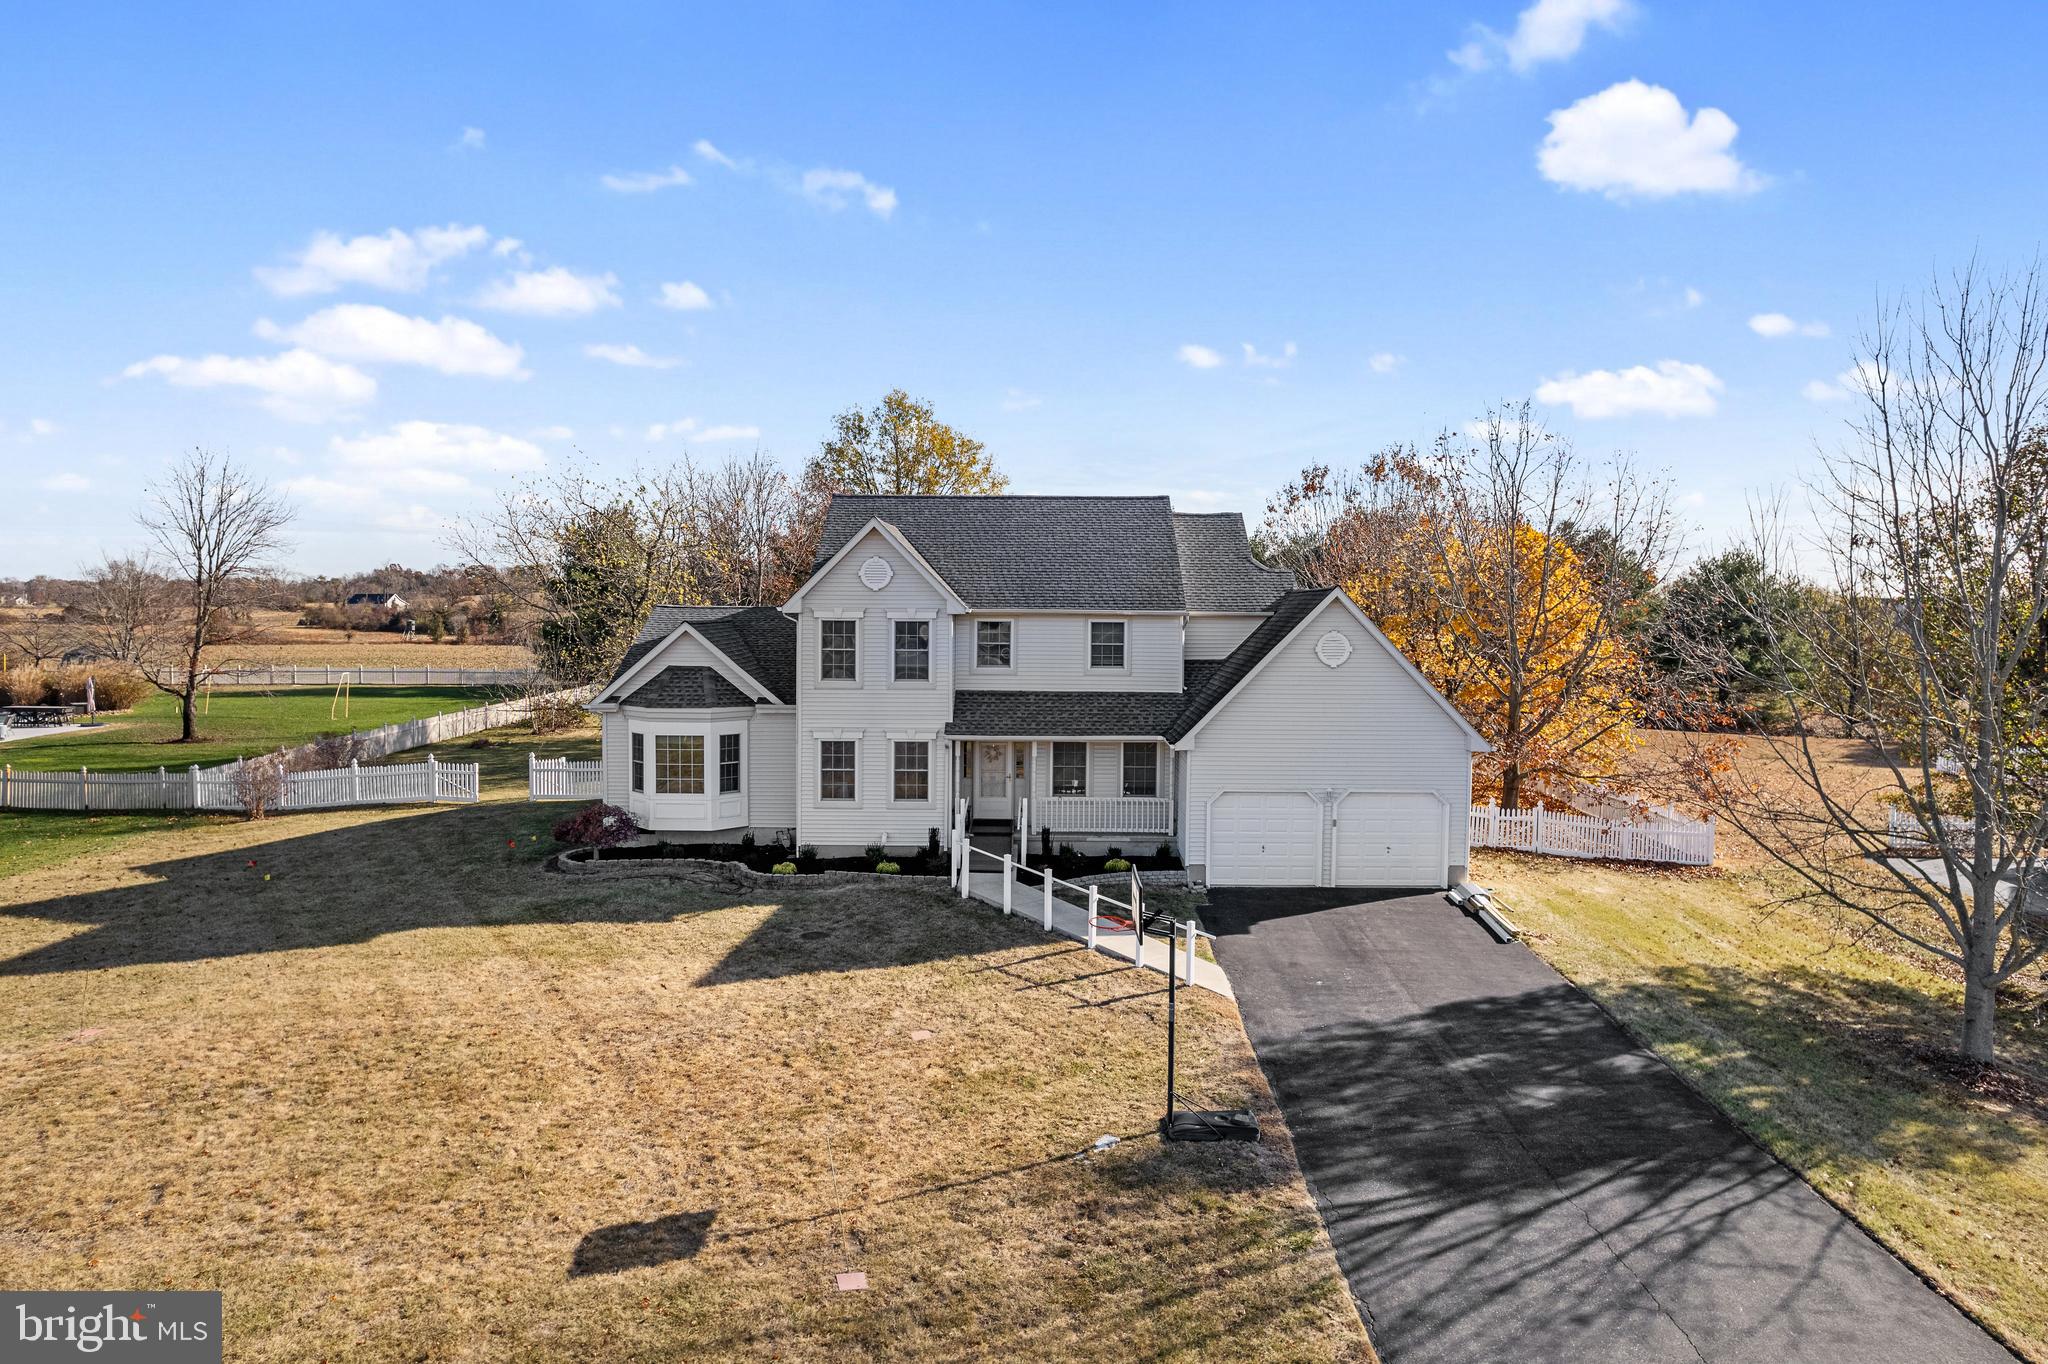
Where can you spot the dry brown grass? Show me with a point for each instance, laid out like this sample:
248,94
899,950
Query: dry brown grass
414,1097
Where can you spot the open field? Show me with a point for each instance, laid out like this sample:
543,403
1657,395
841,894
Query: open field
414,1097
281,641
235,724
1824,1038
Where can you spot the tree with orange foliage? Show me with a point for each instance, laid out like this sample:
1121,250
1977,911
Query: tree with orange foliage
1508,572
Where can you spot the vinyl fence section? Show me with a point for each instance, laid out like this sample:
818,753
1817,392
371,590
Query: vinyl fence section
563,778
295,676
214,788
1683,842
1907,831
436,729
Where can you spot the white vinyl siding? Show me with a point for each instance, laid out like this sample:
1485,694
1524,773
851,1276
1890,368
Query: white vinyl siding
1298,725
874,707
1216,636
1050,653
611,747
771,769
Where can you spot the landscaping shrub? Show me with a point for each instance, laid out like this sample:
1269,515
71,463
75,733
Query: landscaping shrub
1116,864
116,688
336,750
874,852
24,686
784,868
553,714
888,868
1166,851
931,844
596,825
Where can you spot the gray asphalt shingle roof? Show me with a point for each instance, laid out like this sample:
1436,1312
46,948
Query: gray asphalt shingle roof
1215,683
1217,570
760,639
688,687
1063,714
1031,553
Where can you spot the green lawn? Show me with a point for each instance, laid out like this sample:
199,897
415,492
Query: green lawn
237,724
1826,1043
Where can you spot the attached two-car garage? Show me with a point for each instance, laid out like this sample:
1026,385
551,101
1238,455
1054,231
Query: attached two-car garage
1293,838
1328,762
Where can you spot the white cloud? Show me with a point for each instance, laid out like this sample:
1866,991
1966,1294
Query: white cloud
1385,362
64,483
297,385
688,429
1852,382
646,182
472,140
554,292
1198,357
1017,400
710,153
1774,325
366,332
1633,140
684,296
398,260
631,356
1282,360
832,188
1671,389
38,426
1693,297
430,457
554,433
1547,31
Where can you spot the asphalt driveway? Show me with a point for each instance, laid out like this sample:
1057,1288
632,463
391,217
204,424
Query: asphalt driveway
1507,1177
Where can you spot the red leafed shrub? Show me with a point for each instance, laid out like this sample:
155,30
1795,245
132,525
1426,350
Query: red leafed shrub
596,825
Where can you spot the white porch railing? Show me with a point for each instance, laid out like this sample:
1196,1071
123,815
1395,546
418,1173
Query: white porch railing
563,778
1103,814
1683,842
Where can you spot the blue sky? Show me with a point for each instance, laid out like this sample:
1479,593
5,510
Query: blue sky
391,256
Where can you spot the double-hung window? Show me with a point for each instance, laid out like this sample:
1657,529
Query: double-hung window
1106,644
838,650
913,650
639,762
835,769
1069,769
728,763
1141,769
678,764
992,644
913,770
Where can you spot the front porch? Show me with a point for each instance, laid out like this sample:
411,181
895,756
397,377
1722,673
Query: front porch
1074,788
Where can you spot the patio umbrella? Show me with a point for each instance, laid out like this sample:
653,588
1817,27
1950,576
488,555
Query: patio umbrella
91,704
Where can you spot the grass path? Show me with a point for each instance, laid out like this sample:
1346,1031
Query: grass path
1824,1042
413,1097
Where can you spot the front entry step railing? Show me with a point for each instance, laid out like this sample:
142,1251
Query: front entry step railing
1105,923
1104,814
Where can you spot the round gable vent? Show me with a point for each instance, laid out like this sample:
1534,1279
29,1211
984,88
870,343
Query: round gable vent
1333,648
875,573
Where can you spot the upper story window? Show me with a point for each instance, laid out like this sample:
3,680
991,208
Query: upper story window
838,650
1105,644
992,644
728,763
1141,769
678,764
913,650
1069,769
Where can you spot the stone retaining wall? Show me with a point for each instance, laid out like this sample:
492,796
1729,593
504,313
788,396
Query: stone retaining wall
733,875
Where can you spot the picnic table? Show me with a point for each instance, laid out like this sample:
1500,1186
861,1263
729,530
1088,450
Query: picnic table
28,716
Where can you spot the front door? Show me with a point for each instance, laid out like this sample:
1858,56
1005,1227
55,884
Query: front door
992,781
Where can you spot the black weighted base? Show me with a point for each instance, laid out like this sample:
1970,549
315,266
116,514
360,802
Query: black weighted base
1193,1125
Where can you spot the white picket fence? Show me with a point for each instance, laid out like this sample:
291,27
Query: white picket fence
296,675
435,729
1685,842
1903,829
563,778
213,788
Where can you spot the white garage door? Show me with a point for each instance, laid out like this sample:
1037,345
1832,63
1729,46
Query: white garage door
1390,840
1265,838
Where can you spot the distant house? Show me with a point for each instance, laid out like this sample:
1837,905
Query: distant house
382,601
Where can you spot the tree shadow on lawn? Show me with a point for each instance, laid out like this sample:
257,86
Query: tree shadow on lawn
463,867
1511,1176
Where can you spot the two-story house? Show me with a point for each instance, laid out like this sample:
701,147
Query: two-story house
1103,667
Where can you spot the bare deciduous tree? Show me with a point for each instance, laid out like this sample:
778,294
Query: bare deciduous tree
213,528
1928,639
120,608
33,636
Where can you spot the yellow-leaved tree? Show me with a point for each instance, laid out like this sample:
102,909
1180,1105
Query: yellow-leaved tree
1510,575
